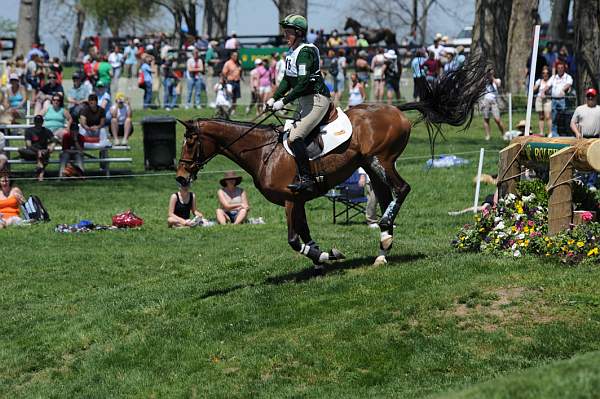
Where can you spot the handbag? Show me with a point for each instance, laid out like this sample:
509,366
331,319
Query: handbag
34,210
127,219
141,80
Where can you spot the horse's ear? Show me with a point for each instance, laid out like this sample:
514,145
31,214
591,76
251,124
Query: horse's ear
187,124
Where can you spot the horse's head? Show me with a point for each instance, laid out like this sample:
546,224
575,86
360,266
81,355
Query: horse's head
352,24
195,152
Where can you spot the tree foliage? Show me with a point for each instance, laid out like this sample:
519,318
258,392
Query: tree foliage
116,14
8,27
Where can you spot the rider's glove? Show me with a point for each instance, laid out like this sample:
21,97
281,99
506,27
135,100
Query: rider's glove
277,105
270,102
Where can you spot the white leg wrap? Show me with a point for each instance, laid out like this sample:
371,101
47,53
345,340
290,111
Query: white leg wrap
324,257
304,249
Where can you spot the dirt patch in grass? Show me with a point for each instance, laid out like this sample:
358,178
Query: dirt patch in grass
490,310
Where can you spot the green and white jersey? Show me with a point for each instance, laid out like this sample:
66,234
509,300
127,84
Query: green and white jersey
302,75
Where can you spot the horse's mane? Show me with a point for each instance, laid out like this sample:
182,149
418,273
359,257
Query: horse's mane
237,123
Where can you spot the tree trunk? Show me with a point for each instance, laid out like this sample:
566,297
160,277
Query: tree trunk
80,15
215,18
490,32
287,7
27,28
557,31
523,17
586,14
190,18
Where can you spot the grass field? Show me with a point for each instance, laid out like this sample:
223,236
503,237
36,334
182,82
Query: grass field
234,312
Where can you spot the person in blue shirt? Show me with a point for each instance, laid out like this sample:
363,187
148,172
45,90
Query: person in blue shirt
419,80
147,71
129,56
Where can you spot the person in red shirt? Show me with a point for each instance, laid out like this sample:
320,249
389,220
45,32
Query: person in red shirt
431,66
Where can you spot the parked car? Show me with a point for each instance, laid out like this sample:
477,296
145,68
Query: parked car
463,38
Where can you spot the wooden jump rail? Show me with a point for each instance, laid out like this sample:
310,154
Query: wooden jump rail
564,155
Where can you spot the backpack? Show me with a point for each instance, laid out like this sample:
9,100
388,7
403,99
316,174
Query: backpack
33,210
334,67
141,80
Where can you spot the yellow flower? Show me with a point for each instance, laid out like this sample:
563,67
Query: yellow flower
514,228
462,238
481,229
461,245
580,244
526,229
593,251
570,242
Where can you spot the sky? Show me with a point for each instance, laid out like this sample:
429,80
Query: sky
259,17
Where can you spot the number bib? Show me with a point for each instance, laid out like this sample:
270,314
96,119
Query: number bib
291,60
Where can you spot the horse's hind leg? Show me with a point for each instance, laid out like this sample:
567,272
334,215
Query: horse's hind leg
387,178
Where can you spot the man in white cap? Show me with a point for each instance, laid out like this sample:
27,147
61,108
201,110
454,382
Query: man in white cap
391,74
437,48
232,43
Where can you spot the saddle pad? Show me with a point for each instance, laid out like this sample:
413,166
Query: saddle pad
333,134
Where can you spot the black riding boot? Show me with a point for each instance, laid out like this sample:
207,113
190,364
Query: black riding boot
305,180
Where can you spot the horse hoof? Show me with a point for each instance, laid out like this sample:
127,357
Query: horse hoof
386,240
319,269
380,260
334,254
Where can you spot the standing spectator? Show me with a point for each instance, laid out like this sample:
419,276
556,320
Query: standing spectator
340,77
57,118
351,40
392,76
129,54
232,71
232,43
362,42
377,64
311,37
436,48
489,105
56,68
194,71
120,123
38,146
170,82
543,101
254,87
273,70
551,54
42,98
15,97
233,201
432,68
371,208
279,69
146,72
45,56
64,46
115,58
460,57
586,124
224,93
32,75
264,84
539,66
362,68
334,41
105,71
419,80
560,85
356,95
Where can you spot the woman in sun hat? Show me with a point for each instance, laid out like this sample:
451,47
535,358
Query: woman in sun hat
233,202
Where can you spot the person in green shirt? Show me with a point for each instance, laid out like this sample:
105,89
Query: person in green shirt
302,81
105,72
362,42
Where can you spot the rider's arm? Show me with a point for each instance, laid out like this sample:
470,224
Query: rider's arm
304,64
283,87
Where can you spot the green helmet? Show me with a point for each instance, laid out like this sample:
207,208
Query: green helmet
295,21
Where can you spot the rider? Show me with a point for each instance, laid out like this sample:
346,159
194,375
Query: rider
302,81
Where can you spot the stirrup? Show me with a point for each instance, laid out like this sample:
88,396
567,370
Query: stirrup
304,183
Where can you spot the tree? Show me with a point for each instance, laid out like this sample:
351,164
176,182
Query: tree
7,27
78,31
28,26
216,14
523,17
116,14
287,7
557,31
586,15
490,32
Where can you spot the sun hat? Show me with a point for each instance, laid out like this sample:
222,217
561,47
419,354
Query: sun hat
120,97
230,175
390,55
257,61
521,124
591,92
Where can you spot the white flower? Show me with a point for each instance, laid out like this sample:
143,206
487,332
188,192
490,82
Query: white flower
514,246
521,236
499,226
517,253
528,197
497,219
501,234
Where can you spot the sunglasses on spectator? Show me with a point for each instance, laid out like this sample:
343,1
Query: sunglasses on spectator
56,99
51,77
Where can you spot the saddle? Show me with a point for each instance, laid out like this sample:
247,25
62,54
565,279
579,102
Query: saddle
333,130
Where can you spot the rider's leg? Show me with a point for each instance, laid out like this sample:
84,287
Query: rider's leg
312,110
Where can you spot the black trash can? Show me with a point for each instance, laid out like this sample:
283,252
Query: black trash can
159,142
563,125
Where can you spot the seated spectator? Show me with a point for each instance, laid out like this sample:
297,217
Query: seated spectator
334,41
3,157
92,122
104,100
38,145
356,93
77,96
233,202
224,98
183,211
15,97
57,118
11,198
120,123
431,66
43,97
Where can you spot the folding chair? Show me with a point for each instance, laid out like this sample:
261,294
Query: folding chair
351,196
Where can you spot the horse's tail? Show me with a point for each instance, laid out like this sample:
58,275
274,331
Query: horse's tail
452,98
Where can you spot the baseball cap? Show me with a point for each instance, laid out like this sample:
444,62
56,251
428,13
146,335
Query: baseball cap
100,84
76,75
120,97
591,92
257,61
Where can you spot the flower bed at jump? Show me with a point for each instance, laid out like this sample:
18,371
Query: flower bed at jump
518,225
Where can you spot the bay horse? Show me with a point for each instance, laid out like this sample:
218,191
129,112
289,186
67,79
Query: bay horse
372,35
380,134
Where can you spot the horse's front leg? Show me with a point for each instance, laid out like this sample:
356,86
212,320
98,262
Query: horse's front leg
298,229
